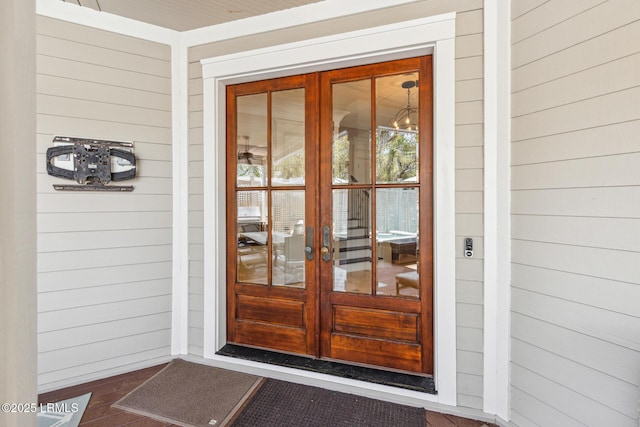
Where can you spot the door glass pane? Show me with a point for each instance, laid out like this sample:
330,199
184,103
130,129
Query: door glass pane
288,238
397,128
352,241
397,241
287,137
252,239
252,140
352,132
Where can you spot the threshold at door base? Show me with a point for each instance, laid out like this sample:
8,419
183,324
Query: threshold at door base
377,376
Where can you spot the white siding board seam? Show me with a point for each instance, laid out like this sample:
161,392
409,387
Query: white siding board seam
104,121
154,279
582,70
106,86
106,340
573,45
559,356
105,212
104,360
577,101
573,331
533,138
515,190
106,66
102,230
549,295
543,403
513,18
67,328
570,215
577,158
577,392
165,58
558,23
109,266
97,79
574,245
164,110
158,295
514,284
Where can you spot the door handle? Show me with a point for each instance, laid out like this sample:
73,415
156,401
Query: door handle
308,249
326,243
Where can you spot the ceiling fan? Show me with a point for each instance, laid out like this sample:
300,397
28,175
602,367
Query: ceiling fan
248,156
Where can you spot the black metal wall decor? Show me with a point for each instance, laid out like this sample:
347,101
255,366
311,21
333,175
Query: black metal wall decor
92,163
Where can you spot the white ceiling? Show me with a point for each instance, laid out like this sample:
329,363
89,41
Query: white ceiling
183,15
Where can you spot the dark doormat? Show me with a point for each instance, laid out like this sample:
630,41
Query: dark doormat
279,403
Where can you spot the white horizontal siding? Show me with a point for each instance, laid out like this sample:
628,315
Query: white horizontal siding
86,72
104,259
77,50
607,325
594,385
587,22
105,368
95,37
609,171
66,87
576,217
585,411
611,202
582,56
579,86
546,16
122,274
579,288
621,234
620,139
469,165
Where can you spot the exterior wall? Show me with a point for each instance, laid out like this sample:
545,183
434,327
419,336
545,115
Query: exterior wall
469,163
18,210
104,259
575,344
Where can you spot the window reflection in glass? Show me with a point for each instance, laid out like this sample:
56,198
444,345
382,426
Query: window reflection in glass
252,140
288,238
252,237
397,242
351,149
352,249
287,137
397,128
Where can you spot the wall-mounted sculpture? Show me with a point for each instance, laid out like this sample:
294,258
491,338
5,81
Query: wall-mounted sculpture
92,163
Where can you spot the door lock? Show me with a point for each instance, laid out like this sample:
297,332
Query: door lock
308,249
326,242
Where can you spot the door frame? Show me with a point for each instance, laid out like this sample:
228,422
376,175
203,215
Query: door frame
432,35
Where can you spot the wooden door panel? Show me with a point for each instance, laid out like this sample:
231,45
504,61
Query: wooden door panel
383,324
270,335
274,311
379,352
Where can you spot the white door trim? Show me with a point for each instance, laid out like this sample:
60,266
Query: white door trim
432,35
497,204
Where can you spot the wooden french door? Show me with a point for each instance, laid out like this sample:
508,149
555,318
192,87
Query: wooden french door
329,190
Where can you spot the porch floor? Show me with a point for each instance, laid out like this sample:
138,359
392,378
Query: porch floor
106,392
